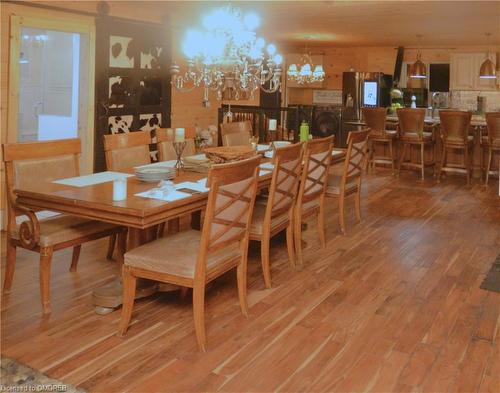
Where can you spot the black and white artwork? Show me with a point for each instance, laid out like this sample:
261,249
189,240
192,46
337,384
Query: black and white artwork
150,91
150,58
121,52
149,122
120,91
120,124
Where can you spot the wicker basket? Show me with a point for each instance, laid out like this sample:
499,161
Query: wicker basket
221,154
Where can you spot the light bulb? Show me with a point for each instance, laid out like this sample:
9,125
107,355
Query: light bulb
278,58
251,21
271,49
260,43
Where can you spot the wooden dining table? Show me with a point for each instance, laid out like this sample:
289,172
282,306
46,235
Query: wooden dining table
139,214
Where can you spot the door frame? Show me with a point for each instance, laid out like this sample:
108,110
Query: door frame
58,24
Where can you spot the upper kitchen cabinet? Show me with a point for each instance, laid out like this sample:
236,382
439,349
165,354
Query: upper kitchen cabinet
465,72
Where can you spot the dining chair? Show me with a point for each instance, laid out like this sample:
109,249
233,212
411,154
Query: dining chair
349,182
375,119
127,150
491,141
311,195
236,133
412,133
166,151
36,163
454,132
276,214
191,259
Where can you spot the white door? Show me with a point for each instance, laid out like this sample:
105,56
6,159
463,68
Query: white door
52,83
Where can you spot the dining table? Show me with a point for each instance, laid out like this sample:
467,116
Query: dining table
141,215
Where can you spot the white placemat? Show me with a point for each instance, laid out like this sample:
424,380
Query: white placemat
166,164
262,148
90,180
267,166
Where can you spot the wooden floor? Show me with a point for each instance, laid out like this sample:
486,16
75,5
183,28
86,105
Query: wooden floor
393,306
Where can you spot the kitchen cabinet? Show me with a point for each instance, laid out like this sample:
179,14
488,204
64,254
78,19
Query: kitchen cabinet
464,73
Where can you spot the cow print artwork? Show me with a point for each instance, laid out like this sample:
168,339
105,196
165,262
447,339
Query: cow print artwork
150,122
150,91
150,59
120,93
120,124
121,53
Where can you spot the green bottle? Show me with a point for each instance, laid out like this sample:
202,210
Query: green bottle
304,131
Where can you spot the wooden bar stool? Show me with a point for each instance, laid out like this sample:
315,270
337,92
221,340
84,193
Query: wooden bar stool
454,132
379,135
411,133
491,141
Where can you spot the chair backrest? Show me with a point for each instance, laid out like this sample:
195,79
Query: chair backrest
411,120
317,157
127,150
375,119
493,126
36,163
236,133
454,125
286,175
355,156
166,151
233,187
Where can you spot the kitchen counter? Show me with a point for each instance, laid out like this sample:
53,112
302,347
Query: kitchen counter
476,121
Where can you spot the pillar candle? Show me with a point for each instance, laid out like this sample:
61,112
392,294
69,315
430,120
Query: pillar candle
273,124
179,134
120,189
170,134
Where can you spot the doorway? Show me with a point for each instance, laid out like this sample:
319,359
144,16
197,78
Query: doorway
52,83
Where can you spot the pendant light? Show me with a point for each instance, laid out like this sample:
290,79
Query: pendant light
487,69
418,69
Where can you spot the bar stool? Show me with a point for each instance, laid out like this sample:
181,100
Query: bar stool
491,141
411,133
375,121
454,132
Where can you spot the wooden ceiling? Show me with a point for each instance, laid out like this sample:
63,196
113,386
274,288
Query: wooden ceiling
360,23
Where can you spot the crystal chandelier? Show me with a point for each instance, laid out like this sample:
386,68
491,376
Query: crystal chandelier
228,55
306,71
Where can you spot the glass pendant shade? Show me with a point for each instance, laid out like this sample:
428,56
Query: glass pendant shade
487,70
292,70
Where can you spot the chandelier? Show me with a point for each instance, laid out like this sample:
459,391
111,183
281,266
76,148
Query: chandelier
306,71
228,55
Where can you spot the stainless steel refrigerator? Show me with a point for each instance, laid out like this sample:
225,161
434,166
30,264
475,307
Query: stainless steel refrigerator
361,89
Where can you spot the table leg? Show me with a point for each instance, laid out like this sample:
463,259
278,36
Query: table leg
109,297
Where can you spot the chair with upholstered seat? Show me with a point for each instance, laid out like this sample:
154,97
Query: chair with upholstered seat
236,133
311,196
221,246
412,133
127,150
166,151
454,133
349,183
26,166
380,135
276,214
491,141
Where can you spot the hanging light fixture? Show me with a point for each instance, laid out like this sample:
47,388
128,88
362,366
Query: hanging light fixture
418,70
487,69
227,54
305,72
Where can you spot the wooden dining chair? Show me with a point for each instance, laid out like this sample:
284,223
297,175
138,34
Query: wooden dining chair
191,259
349,183
276,214
128,150
166,151
412,133
454,132
236,133
491,141
375,119
36,163
311,196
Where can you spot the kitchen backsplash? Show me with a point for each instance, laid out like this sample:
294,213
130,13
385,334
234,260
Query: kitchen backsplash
467,100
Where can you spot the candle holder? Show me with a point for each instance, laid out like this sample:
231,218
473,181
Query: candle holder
179,149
